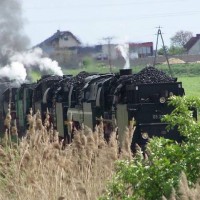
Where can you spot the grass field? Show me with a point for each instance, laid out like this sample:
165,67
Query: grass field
191,85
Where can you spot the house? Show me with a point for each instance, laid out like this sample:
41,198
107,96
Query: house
100,51
135,50
61,40
106,51
193,45
140,50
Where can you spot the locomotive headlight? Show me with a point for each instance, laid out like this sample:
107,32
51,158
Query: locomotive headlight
145,135
162,99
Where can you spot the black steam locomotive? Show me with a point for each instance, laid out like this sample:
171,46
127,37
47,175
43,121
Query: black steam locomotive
87,98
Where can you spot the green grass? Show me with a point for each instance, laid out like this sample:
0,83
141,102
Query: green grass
35,76
191,85
91,68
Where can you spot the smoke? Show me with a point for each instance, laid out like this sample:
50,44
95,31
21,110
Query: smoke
34,60
16,61
15,71
124,50
12,38
22,63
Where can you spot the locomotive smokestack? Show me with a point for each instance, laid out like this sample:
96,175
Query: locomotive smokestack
125,72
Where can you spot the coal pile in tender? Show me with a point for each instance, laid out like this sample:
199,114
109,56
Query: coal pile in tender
78,80
148,75
152,75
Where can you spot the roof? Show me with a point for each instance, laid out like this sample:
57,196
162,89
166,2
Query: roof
143,44
58,35
192,41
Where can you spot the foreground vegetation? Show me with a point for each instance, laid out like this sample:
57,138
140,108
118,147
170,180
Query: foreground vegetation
38,167
167,169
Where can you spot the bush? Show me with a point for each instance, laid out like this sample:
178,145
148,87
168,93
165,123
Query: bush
87,61
154,173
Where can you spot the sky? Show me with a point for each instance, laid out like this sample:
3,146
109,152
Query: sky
122,20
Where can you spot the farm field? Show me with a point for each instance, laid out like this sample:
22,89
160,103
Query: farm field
191,85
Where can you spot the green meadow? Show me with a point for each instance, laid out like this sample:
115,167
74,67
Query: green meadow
191,85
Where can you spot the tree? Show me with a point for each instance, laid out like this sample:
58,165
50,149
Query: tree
162,50
174,50
181,38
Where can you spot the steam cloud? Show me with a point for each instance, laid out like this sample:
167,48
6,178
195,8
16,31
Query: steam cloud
23,62
124,50
15,71
16,61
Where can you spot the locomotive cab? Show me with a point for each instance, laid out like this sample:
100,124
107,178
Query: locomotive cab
147,104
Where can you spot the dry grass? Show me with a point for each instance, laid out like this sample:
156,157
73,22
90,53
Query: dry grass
37,166
184,192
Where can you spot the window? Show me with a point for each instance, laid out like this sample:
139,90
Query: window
65,37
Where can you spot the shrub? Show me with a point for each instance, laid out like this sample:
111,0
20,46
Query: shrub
154,173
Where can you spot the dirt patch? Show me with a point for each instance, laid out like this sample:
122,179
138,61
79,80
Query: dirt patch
174,61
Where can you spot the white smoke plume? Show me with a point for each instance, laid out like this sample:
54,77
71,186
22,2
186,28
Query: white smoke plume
15,71
124,50
23,62
33,59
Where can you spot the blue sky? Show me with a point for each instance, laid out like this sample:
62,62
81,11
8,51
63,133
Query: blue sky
124,20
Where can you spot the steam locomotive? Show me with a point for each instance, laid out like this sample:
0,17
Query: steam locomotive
88,98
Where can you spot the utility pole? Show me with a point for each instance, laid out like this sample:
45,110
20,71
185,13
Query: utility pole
159,33
108,40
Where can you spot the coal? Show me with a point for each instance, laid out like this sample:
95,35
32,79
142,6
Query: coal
150,75
78,82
